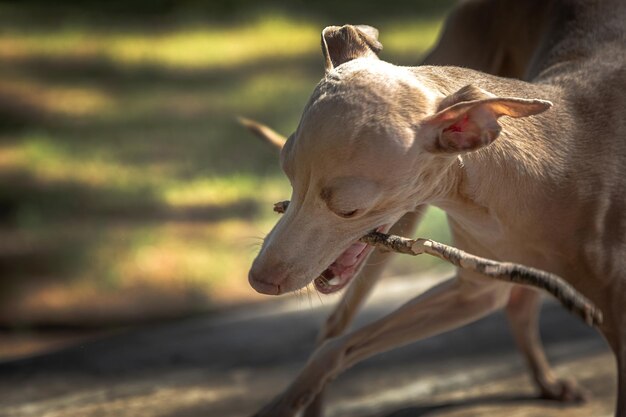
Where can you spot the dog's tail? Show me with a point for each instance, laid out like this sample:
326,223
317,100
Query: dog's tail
268,135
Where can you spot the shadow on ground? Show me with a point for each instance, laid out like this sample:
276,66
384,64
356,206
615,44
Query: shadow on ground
231,364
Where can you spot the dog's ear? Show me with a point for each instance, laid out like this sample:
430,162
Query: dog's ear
468,119
344,43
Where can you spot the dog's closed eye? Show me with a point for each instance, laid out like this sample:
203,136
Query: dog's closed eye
337,205
349,197
347,214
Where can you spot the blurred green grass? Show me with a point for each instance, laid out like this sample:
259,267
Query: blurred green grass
125,182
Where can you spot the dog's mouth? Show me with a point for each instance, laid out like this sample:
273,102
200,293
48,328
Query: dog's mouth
340,273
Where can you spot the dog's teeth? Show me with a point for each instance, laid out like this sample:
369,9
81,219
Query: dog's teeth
334,281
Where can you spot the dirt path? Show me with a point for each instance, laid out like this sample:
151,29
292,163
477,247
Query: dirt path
230,364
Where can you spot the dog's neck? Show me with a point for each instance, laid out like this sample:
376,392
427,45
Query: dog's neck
525,163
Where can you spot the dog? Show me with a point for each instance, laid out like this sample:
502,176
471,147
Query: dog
517,178
496,49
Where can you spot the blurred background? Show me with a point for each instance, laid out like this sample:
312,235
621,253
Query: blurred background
128,192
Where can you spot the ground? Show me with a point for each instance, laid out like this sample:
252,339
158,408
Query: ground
230,364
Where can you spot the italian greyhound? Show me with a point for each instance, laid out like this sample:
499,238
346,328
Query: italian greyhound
517,178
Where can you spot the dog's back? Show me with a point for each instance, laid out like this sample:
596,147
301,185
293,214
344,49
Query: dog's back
584,53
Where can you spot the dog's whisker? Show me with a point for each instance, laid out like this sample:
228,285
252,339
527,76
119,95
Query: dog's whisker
253,245
253,242
298,294
308,294
318,294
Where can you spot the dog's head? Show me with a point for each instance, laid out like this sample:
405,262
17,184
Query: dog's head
373,143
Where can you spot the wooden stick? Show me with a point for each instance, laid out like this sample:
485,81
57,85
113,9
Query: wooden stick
571,299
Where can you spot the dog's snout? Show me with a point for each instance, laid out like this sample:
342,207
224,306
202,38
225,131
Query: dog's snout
267,279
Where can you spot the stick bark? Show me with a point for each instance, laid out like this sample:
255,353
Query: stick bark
514,273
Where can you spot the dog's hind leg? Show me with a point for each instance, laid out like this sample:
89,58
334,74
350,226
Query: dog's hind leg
356,294
523,313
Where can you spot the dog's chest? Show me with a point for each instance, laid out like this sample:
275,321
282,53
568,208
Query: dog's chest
521,239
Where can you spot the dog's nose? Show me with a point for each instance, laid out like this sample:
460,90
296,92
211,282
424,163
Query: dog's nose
263,287
265,282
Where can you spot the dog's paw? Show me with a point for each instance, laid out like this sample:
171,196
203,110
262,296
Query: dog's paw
564,390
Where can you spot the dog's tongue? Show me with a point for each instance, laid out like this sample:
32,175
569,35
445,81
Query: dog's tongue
339,272
348,258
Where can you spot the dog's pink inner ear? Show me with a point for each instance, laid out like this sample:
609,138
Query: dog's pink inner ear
341,44
469,125
462,136
471,130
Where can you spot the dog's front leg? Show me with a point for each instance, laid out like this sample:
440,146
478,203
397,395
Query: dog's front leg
446,306
362,285
357,293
